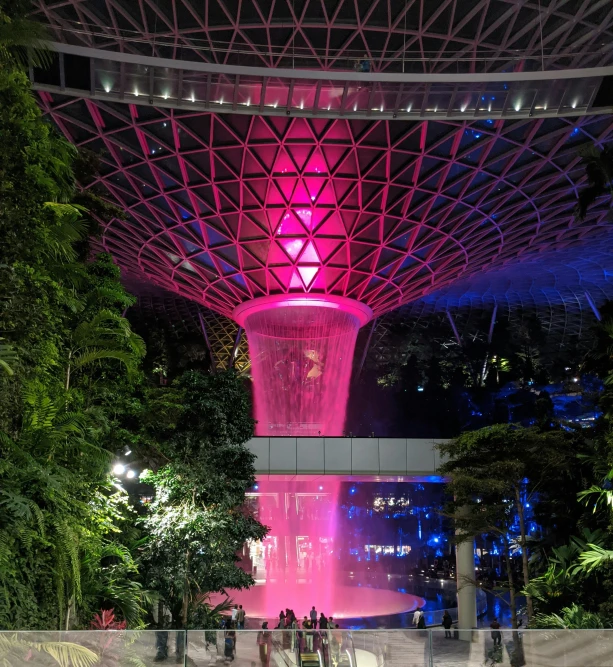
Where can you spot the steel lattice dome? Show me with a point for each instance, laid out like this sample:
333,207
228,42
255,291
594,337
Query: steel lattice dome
416,35
223,209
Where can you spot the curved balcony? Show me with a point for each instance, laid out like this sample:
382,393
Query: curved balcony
202,86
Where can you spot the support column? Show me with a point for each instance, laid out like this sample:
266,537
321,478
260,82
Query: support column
208,342
467,591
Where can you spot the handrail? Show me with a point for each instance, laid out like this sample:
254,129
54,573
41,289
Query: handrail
491,54
327,75
278,645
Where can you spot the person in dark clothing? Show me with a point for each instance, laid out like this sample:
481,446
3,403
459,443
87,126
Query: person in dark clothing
323,622
229,644
447,623
264,640
496,634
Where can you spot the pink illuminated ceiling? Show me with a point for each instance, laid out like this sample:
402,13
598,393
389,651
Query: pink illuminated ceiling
225,208
403,35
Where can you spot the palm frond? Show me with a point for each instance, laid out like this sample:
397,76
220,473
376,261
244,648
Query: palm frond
14,650
8,356
71,227
92,355
598,496
595,557
24,42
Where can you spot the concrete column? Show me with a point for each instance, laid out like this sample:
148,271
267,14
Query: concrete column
467,592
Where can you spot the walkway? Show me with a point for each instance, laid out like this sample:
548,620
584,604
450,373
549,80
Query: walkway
200,86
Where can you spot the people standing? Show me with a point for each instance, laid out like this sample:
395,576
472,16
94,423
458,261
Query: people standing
240,618
282,619
264,641
229,644
365,64
496,634
335,641
313,615
323,622
447,623
294,631
419,620
234,613
308,635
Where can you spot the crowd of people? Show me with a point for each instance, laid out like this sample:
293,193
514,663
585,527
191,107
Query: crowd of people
314,632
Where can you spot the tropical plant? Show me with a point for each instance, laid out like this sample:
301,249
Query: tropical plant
106,336
8,356
105,620
564,572
570,618
22,41
495,474
198,519
207,615
18,652
598,164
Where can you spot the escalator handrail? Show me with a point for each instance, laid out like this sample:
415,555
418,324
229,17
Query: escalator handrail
276,644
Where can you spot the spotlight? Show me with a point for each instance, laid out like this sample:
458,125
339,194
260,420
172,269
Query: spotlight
130,474
119,469
321,488
256,486
287,112
127,451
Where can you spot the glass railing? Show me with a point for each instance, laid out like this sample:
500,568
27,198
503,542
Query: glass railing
433,647
250,54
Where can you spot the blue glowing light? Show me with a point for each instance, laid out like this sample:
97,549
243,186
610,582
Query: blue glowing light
256,486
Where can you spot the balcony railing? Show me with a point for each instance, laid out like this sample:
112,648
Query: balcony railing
202,86
467,60
315,648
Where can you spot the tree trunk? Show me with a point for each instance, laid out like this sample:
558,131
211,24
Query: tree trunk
67,383
512,602
185,606
524,551
160,618
70,611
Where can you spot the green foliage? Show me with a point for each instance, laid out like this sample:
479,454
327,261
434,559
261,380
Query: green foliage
8,356
198,520
569,618
17,652
493,473
22,41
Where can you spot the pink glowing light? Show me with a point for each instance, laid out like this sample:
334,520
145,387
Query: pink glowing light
301,349
266,601
298,564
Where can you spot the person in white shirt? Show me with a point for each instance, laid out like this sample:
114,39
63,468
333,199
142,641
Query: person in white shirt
234,613
418,619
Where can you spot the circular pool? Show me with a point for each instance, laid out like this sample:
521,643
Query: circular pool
266,601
